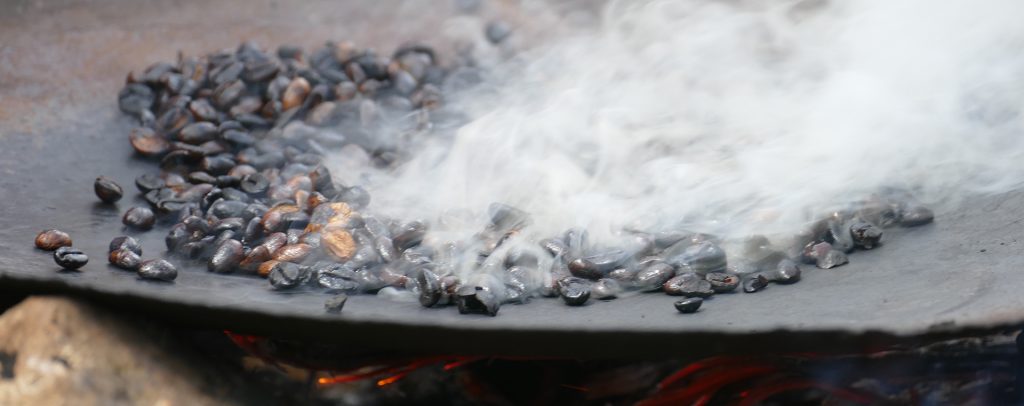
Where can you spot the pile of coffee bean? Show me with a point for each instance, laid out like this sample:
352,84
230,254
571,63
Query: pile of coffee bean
240,137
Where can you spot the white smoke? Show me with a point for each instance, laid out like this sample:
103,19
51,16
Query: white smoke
734,117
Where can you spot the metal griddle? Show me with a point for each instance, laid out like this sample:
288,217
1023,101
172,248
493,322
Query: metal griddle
60,128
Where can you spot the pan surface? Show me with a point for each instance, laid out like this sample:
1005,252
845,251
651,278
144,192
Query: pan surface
60,70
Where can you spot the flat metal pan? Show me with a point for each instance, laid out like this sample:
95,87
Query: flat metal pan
961,275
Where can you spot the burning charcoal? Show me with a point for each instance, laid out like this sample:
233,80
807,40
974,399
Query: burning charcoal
286,275
688,284
148,182
430,287
70,258
688,305
158,269
755,283
477,299
497,31
574,291
140,218
605,289
786,272
654,276
722,282
865,235
335,303
125,258
107,190
50,240
226,258
702,257
916,216
126,242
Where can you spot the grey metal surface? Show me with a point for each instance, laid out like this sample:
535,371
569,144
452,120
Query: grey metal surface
61,68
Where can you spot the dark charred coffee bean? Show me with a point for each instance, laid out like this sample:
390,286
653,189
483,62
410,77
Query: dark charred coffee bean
238,138
521,258
176,237
688,284
228,208
254,210
226,257
838,234
430,287
785,272
107,190
196,224
201,177
70,258
240,171
755,283
125,259
865,235
255,184
722,282
477,299
216,165
355,196
230,193
505,218
158,269
583,268
497,31
410,234
654,276
335,303
688,305
702,257
141,218
914,216
50,240
228,181
295,220
202,110
198,133
234,224
135,98
126,242
385,249
555,246
336,277
574,291
605,289
577,240
226,73
289,52
172,120
286,275
624,276
148,182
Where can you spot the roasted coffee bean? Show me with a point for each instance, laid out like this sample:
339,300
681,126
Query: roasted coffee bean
253,231
605,289
195,224
70,258
201,177
336,277
702,257
295,93
654,276
107,190
477,299
574,291
286,275
228,208
916,216
141,218
176,237
125,258
583,268
786,271
226,257
158,269
688,284
555,246
838,234
50,240
335,303
292,253
229,182
497,31
216,165
233,224
148,182
135,98
722,282
410,234
126,242
755,283
430,287
688,305
295,220
338,243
